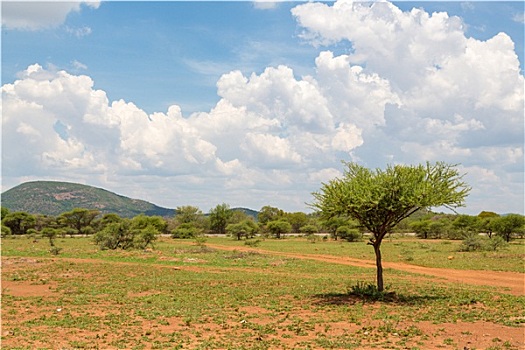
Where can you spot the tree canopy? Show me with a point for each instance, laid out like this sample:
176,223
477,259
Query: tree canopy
380,199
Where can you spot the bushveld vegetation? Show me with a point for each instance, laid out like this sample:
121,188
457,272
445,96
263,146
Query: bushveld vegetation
280,295
281,280
191,222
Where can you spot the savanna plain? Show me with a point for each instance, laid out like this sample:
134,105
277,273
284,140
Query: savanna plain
271,294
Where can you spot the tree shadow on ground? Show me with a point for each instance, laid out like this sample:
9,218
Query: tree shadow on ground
351,298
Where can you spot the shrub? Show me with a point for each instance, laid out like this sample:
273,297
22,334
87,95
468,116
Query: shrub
115,235
252,243
495,243
312,238
308,229
245,228
6,231
471,243
185,230
145,236
367,290
349,234
278,227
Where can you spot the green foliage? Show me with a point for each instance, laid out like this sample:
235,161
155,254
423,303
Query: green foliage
349,234
115,235
19,222
188,215
495,243
146,229
487,214
380,199
465,225
331,224
366,291
142,221
474,242
421,228
78,219
312,238
3,212
185,231
309,229
108,219
430,228
145,236
297,220
268,213
278,227
220,217
252,243
506,226
471,243
246,228
51,234
6,231
55,250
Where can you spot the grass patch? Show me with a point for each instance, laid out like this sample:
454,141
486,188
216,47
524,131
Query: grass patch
181,295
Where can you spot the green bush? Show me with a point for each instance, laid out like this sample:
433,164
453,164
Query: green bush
309,229
312,238
115,235
495,243
349,234
474,242
471,243
367,291
185,231
6,231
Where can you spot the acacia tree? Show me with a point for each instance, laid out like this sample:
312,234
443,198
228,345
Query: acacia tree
220,217
19,222
79,219
380,199
506,225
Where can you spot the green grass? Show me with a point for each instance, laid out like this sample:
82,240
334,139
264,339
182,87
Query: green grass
429,253
184,296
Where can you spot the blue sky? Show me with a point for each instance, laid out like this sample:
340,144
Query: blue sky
252,104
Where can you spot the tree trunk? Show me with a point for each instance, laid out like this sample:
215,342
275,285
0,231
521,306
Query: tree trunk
377,250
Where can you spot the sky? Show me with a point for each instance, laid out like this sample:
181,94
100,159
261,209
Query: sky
258,103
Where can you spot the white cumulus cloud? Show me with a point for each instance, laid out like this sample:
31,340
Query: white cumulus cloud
410,88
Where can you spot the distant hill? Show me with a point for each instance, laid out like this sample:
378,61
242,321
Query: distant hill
54,198
249,212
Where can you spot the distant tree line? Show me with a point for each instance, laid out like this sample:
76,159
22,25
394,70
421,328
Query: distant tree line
110,231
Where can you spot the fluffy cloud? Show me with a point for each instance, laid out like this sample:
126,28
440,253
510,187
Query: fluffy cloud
413,88
263,131
439,95
36,15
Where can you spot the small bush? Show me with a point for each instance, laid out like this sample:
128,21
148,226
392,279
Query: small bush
495,243
115,235
185,231
367,290
55,250
471,243
200,240
349,234
6,231
312,238
252,243
308,229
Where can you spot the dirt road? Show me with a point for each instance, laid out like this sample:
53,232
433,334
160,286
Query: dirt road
511,282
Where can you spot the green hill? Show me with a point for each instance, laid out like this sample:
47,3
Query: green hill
54,198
